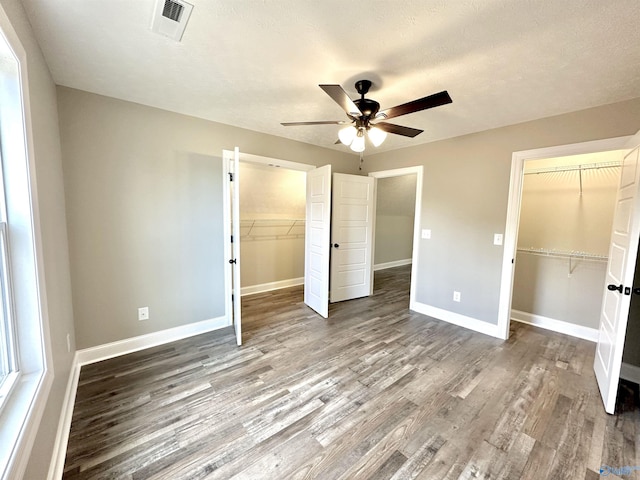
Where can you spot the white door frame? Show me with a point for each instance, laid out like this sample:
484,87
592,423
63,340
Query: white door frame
513,211
398,172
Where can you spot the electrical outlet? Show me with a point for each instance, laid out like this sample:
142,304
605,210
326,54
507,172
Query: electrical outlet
143,313
456,296
426,233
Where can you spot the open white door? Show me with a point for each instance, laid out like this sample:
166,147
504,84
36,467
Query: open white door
235,212
623,252
352,224
232,233
316,239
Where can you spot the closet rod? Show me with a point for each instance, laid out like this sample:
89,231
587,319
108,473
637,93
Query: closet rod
271,228
573,168
563,254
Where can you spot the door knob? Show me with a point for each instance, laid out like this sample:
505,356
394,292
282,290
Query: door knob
636,290
615,287
336,245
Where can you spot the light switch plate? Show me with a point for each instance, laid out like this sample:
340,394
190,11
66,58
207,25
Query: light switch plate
497,239
426,234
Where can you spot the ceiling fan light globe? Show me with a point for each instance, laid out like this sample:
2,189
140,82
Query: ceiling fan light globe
347,134
358,144
377,136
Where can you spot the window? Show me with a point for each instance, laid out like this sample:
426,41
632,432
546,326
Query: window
25,366
8,361
9,371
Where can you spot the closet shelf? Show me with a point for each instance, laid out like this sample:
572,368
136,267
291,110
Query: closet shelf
575,168
571,256
564,254
271,229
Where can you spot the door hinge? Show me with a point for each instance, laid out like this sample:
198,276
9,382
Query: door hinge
230,176
231,238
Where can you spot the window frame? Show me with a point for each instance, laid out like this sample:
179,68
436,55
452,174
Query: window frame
24,407
8,345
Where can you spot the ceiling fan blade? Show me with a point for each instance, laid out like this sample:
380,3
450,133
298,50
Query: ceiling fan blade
341,98
328,122
435,100
398,129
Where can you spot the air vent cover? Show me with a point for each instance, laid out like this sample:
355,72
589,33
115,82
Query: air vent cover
170,18
172,10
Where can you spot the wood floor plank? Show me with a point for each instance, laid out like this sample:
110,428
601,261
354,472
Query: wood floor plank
375,391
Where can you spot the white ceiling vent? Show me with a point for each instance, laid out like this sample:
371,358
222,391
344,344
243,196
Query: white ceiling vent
170,18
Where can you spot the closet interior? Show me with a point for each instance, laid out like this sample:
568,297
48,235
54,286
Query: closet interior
272,223
563,239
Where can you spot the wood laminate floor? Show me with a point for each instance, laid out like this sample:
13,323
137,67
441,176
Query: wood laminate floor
375,392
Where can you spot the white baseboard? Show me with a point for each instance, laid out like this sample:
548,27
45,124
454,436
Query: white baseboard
457,319
56,469
267,287
559,326
630,372
395,263
129,345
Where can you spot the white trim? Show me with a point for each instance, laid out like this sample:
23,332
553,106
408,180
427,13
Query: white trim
134,344
395,263
56,468
559,326
269,286
513,211
397,172
227,158
630,372
27,403
456,319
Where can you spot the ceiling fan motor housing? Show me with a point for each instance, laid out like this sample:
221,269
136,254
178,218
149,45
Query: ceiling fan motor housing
368,107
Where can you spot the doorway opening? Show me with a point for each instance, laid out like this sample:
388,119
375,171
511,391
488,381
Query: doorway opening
272,223
402,185
514,208
564,228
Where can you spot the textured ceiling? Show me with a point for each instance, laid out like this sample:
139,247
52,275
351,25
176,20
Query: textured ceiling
255,64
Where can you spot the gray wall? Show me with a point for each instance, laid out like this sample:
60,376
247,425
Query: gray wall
143,205
51,206
395,214
542,286
465,195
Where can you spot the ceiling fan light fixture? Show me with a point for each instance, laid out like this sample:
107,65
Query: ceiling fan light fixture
347,134
377,136
358,143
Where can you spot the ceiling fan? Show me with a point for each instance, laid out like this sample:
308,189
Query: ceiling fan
365,116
